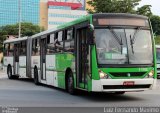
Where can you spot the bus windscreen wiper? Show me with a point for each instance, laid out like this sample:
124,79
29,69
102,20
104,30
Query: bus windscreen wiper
119,40
135,33
132,40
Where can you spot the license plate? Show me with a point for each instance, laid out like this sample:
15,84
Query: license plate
128,83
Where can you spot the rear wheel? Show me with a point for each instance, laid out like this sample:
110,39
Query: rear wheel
36,81
70,84
9,72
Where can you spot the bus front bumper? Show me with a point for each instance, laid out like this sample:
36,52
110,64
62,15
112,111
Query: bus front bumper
116,85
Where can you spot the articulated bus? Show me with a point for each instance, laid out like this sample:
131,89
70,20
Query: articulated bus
96,53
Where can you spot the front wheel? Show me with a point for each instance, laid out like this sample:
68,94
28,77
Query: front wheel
36,81
70,84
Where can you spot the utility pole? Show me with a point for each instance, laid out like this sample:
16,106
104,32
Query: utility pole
19,10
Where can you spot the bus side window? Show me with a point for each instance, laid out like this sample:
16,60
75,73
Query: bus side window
23,48
37,47
33,47
59,41
5,49
10,49
69,40
50,44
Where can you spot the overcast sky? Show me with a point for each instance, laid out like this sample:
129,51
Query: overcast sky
155,5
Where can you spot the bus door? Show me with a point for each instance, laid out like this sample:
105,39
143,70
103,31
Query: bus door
16,58
43,58
82,55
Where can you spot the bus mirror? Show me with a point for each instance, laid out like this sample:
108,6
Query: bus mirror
91,27
91,35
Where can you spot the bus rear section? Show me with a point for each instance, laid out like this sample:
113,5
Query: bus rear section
123,57
16,63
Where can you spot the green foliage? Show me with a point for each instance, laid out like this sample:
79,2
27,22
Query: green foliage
155,21
113,6
157,39
145,10
27,29
119,6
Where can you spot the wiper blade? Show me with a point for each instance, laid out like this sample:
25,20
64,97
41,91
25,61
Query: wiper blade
119,40
134,36
132,40
131,43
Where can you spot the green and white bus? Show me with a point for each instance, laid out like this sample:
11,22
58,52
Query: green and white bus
97,53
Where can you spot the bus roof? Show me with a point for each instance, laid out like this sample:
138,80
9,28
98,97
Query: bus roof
62,26
15,40
84,18
124,15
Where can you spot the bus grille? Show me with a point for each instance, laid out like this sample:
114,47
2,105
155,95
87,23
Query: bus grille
126,87
129,74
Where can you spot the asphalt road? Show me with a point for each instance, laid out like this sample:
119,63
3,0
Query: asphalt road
23,93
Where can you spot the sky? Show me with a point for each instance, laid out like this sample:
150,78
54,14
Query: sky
155,5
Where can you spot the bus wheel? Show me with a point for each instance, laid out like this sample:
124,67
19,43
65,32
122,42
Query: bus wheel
9,72
36,77
120,93
70,84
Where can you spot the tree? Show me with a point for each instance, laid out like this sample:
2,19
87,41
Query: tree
113,6
155,21
27,29
2,38
145,10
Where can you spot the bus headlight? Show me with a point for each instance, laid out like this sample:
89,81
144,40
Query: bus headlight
102,75
150,74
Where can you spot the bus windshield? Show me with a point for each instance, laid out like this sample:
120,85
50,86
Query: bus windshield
158,55
123,46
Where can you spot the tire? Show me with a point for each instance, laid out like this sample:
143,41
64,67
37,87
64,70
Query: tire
70,84
36,81
120,93
9,72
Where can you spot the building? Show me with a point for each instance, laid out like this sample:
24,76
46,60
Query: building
54,13
46,13
9,11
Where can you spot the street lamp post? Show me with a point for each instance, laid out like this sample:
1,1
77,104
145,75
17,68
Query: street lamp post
19,10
